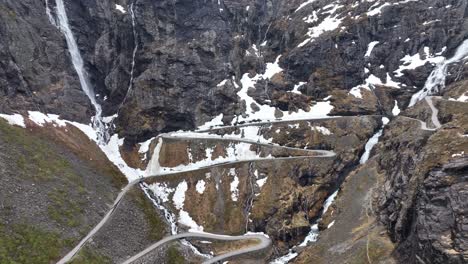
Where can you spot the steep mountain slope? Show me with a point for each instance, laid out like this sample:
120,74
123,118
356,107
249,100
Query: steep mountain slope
55,185
262,89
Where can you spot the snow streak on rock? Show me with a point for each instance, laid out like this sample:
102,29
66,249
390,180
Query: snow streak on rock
120,9
234,185
329,23
368,84
304,4
411,62
370,48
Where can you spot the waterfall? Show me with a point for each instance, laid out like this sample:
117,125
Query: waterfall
436,80
49,14
372,142
135,49
78,64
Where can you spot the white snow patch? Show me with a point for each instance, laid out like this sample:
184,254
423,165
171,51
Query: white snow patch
262,182
41,119
266,112
461,154
463,98
328,24
217,121
185,219
222,83
296,88
356,92
179,196
396,110
323,130
256,51
200,187
293,125
14,119
161,191
377,10
112,151
430,22
304,4
415,61
144,147
120,8
329,202
391,83
311,18
234,185
368,84
370,47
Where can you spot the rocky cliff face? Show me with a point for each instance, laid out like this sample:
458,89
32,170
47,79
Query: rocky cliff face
162,66
421,198
184,49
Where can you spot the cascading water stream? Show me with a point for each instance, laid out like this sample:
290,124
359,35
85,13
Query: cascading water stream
135,49
77,60
49,14
314,231
436,80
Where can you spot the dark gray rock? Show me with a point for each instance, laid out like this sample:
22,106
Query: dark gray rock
439,232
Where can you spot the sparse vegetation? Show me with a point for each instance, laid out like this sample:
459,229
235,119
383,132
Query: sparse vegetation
88,256
374,253
157,226
173,256
35,158
21,243
64,210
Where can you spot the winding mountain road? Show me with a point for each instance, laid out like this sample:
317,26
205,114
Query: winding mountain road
264,241
434,116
